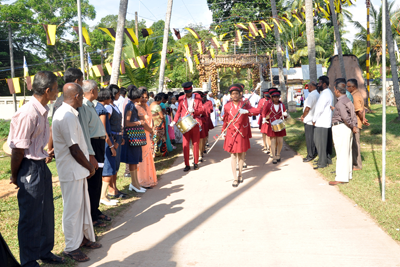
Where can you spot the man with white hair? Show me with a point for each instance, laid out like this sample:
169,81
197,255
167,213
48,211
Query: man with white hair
95,136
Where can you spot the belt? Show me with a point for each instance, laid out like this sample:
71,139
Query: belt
100,137
336,123
115,133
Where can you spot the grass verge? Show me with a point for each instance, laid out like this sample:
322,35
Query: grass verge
9,213
365,188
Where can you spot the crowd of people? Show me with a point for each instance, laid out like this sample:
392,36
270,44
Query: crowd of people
95,130
327,124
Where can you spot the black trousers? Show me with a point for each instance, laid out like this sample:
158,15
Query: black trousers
6,257
95,182
309,133
36,212
323,143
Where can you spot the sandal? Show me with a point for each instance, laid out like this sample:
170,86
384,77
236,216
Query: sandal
240,179
104,217
53,259
91,245
77,255
99,224
235,183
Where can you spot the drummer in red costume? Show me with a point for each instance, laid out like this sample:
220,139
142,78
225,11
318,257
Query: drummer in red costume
263,103
272,112
237,135
190,104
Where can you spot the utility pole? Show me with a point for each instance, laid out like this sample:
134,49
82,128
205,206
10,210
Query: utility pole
119,38
338,39
234,48
165,44
82,56
12,62
136,25
384,3
102,62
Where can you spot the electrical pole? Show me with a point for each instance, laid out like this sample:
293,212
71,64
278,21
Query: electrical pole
81,38
338,39
165,44
12,62
136,25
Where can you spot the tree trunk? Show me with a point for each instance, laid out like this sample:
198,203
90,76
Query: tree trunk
119,38
312,61
282,86
393,62
165,44
338,38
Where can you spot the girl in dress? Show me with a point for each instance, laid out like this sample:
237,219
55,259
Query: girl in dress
274,110
237,135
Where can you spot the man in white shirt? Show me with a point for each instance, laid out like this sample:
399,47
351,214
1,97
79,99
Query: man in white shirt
73,168
212,114
307,119
322,121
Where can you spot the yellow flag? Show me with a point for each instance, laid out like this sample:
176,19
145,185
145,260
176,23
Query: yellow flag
50,33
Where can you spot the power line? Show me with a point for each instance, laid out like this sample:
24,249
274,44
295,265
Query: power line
188,11
148,9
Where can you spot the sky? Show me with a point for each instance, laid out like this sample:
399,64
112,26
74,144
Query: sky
186,12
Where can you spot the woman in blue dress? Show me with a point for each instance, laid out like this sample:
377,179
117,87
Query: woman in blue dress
163,105
132,155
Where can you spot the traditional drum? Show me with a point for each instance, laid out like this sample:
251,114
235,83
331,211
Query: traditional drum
186,123
278,125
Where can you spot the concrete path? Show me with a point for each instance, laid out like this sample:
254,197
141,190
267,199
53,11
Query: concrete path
282,215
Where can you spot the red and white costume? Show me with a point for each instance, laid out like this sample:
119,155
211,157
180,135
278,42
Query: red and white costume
270,110
194,134
238,134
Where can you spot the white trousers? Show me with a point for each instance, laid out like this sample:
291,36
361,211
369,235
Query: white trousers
77,221
343,140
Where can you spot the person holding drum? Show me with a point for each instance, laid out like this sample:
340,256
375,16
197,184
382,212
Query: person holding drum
237,140
274,112
190,108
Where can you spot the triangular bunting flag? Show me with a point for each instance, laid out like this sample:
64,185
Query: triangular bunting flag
193,32
109,31
50,33
13,85
29,82
98,71
146,32
85,34
131,35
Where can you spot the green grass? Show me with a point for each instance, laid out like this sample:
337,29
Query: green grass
365,187
9,213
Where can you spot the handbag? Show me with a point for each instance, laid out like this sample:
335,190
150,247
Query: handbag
136,135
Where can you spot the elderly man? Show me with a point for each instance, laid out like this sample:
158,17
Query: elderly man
307,119
322,121
73,168
358,100
94,133
344,124
29,134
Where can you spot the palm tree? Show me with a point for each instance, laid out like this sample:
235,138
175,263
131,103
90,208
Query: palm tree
312,61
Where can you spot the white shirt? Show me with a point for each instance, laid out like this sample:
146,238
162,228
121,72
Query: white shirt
120,102
225,99
323,113
110,109
190,101
310,102
67,131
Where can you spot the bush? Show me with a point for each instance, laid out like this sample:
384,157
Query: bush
4,128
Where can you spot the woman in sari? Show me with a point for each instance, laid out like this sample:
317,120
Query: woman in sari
164,105
147,176
159,138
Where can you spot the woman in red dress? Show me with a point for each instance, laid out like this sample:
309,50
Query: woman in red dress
273,111
237,135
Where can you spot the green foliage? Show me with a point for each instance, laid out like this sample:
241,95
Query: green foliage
4,128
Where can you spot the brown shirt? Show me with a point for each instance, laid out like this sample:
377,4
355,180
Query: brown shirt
344,112
358,105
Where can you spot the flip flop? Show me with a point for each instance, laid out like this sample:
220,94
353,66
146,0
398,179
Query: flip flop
104,217
91,245
77,255
99,224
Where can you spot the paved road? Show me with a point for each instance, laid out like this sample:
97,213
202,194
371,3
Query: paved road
282,215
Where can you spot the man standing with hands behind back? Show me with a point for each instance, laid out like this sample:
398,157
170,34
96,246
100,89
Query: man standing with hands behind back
29,134
73,168
344,124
